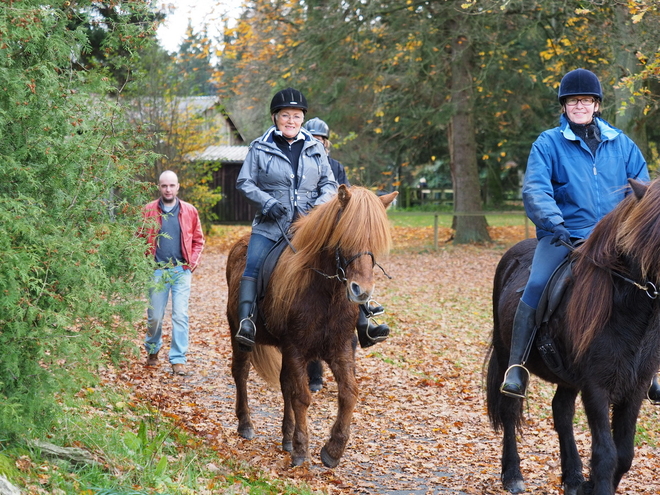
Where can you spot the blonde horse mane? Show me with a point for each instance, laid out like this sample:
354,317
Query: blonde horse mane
354,221
631,230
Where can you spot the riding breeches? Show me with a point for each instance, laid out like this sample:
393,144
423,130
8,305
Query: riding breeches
258,249
547,258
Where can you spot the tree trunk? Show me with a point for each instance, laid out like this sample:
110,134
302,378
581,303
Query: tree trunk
463,148
631,120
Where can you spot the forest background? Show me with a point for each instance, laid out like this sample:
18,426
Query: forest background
452,91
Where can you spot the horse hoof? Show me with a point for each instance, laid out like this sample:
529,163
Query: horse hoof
515,486
570,490
247,433
327,459
287,446
298,460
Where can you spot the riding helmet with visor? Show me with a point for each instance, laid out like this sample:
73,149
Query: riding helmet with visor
288,98
580,82
317,127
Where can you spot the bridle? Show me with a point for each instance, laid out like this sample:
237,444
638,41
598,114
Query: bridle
341,264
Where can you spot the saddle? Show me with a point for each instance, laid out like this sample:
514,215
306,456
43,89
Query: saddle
267,268
551,298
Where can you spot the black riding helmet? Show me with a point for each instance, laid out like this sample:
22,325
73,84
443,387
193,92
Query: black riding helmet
288,98
580,82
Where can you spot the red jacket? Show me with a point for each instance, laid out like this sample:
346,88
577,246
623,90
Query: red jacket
192,237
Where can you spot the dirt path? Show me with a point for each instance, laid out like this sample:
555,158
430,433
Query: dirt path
420,425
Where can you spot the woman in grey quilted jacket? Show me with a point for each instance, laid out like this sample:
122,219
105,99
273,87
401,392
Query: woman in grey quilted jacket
285,173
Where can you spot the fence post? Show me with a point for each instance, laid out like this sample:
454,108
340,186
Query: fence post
526,227
435,232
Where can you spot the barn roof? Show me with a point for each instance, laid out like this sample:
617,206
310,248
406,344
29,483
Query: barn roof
225,154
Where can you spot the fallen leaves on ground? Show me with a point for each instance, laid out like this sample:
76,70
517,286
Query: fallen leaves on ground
420,424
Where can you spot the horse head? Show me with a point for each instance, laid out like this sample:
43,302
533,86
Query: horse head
341,239
361,235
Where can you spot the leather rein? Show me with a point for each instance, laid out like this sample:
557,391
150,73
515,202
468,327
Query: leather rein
648,286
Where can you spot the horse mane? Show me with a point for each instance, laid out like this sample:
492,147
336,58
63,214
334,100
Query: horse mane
359,225
629,233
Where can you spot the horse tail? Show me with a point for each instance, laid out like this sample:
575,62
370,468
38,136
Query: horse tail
501,409
267,361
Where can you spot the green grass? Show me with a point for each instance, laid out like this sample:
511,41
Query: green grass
418,219
137,451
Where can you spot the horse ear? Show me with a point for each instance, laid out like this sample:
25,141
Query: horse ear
388,198
639,188
344,195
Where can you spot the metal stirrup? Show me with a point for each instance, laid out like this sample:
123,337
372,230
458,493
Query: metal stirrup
506,373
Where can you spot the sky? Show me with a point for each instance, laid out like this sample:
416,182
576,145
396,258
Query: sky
172,32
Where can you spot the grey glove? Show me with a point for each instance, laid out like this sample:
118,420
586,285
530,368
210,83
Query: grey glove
560,234
276,211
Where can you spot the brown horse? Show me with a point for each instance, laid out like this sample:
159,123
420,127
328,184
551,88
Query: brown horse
309,312
607,332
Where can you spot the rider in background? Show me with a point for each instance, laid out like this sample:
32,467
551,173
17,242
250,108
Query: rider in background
285,174
320,130
369,333
576,174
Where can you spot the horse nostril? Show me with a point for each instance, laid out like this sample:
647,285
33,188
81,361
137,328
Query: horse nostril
356,289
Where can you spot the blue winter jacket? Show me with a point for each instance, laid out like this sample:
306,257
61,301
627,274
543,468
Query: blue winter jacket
565,183
267,176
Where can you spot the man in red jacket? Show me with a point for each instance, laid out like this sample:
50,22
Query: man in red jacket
174,233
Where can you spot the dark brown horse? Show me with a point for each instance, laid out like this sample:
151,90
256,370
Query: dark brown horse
309,312
607,330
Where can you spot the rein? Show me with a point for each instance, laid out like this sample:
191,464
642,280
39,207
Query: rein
648,287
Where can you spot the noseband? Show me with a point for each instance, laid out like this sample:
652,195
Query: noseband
341,264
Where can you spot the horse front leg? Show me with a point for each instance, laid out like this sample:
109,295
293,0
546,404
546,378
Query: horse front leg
288,420
603,449
343,368
297,398
563,411
240,368
624,423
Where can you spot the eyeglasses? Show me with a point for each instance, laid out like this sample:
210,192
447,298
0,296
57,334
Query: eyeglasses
587,102
296,117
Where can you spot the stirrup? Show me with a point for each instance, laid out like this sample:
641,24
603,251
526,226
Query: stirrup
654,386
373,308
243,339
523,385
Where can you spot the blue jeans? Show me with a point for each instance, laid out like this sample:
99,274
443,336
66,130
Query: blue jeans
546,259
258,248
166,280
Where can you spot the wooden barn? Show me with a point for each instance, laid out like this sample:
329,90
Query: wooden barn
227,162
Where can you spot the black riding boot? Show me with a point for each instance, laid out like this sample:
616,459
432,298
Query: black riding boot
516,376
315,374
247,294
654,391
368,332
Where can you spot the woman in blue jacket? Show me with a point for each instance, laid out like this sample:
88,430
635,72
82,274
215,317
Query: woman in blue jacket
576,174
